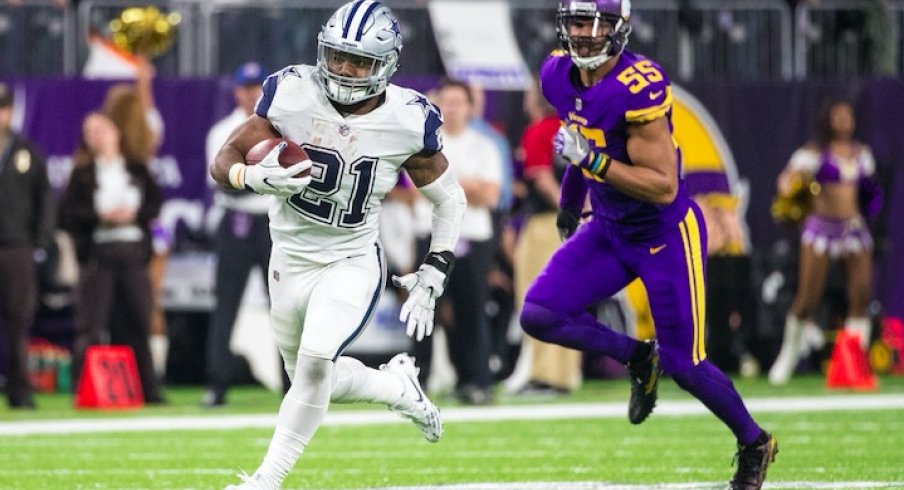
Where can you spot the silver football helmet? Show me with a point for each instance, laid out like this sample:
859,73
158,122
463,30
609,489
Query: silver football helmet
364,33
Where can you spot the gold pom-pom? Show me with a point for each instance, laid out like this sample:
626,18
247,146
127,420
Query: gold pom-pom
144,30
793,207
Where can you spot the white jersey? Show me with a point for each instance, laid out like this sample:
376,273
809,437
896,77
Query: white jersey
357,159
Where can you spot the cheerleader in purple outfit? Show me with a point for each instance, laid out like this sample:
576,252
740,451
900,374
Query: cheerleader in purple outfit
834,230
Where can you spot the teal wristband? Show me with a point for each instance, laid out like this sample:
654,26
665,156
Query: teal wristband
599,163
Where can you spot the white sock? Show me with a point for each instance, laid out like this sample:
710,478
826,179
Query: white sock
813,337
159,350
300,414
862,326
354,382
786,362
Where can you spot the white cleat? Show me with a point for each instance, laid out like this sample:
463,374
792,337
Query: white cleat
253,482
415,405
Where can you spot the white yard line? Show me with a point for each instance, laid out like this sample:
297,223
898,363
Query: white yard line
668,408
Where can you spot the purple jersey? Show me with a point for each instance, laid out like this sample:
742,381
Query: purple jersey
635,91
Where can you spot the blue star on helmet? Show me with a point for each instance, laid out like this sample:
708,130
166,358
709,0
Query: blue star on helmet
395,27
425,104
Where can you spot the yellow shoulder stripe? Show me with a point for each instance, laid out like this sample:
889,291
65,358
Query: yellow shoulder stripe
558,53
654,112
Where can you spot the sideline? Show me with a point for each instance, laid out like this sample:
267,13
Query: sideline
666,408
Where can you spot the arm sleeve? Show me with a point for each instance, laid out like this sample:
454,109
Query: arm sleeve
804,160
574,190
449,205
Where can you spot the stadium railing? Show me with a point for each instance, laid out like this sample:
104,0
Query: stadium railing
282,32
34,36
737,39
847,38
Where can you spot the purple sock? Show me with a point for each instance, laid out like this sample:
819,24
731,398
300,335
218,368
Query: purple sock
718,394
581,332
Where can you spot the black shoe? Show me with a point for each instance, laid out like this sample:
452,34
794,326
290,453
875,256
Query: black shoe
644,385
474,395
539,388
27,403
156,401
753,460
213,399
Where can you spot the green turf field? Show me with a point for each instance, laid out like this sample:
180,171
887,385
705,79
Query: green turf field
821,447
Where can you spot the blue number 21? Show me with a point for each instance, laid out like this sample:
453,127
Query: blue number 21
323,196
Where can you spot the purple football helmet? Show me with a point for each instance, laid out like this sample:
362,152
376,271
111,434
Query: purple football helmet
593,31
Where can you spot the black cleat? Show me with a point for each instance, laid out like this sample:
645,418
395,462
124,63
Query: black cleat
213,398
644,385
753,461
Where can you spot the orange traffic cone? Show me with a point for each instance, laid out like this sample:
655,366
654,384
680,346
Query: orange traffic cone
849,368
109,379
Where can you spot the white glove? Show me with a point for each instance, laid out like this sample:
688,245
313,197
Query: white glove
269,177
572,145
423,286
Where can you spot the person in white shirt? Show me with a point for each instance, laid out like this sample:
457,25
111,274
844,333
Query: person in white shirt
477,164
107,208
242,239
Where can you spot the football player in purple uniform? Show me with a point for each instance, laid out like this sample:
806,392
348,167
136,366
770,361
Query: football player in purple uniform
616,136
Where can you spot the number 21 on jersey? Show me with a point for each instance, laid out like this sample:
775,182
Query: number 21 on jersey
325,200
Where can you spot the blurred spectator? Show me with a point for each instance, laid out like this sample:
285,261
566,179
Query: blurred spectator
132,108
107,208
479,123
476,162
161,242
26,230
846,195
242,240
501,293
397,229
882,38
689,17
554,369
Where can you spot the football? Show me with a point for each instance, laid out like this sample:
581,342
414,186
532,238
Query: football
290,156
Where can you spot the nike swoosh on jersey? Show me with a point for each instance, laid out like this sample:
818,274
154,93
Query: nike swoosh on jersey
655,95
655,250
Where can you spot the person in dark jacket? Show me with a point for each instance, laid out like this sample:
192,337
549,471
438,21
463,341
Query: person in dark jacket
26,229
107,207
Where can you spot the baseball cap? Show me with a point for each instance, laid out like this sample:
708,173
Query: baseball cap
251,73
6,95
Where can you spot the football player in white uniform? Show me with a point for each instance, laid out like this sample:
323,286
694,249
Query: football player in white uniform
327,270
